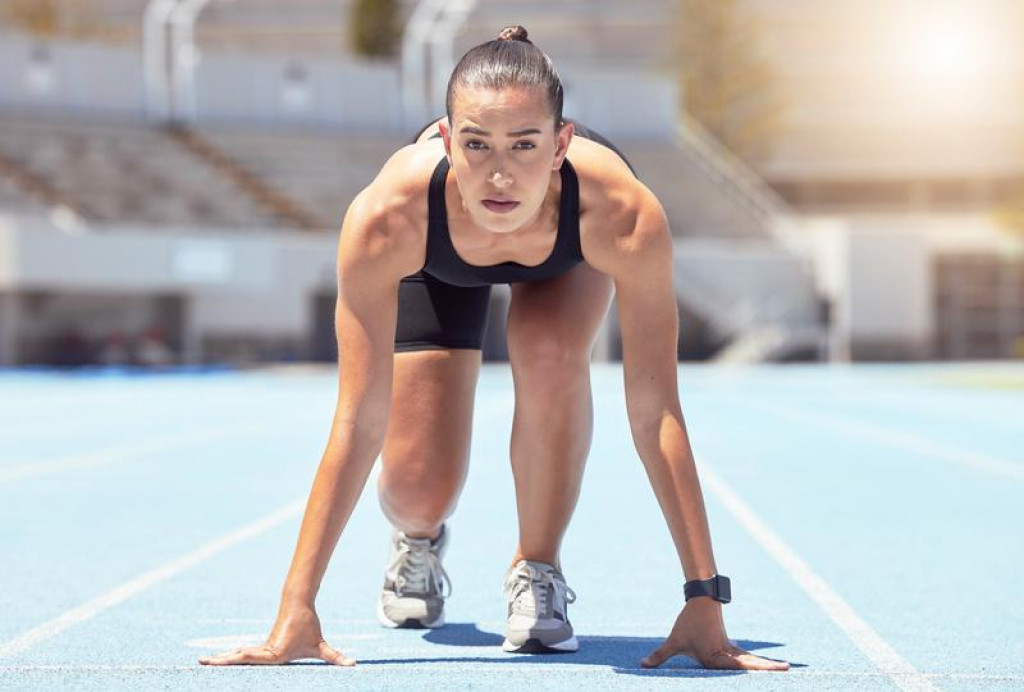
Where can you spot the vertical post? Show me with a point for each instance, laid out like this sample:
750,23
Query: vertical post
185,57
154,57
191,335
416,100
10,311
450,22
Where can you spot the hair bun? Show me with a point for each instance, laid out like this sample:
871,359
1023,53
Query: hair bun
514,33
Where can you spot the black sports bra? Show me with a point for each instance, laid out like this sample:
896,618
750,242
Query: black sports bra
444,263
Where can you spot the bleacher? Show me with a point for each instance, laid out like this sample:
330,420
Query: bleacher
120,172
125,172
324,171
14,200
321,171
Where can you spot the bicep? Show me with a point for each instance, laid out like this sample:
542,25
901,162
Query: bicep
364,321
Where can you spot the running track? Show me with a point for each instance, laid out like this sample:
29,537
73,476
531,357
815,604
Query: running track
870,517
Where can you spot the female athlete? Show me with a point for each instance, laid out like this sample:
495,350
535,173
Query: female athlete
502,190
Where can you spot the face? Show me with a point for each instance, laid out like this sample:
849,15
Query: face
502,146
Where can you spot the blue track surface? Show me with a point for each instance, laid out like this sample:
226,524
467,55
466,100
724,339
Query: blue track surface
895,491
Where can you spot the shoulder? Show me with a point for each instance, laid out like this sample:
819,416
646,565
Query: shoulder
622,223
385,225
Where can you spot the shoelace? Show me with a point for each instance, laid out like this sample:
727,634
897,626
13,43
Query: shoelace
530,589
417,569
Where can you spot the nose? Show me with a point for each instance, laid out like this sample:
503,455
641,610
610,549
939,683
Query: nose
500,178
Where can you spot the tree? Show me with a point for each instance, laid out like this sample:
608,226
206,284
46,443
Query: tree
46,19
376,29
36,17
726,85
1010,213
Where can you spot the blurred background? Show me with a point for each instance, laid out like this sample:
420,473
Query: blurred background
844,180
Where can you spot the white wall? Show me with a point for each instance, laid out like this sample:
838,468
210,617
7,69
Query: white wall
879,279
235,283
256,88
635,103
302,267
82,76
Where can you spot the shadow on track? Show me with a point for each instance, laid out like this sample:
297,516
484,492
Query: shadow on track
623,654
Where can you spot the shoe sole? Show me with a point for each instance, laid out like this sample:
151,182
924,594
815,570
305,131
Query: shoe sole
409,624
535,646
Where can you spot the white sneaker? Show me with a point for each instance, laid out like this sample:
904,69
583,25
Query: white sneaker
415,584
537,596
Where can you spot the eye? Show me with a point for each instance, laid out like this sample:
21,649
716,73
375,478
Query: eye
475,145
525,145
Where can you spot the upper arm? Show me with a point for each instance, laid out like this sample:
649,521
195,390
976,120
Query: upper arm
639,259
374,253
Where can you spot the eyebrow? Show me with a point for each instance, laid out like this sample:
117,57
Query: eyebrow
518,133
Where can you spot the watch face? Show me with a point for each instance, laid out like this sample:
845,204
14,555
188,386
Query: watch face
724,589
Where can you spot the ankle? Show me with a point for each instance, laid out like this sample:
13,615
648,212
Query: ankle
423,532
544,558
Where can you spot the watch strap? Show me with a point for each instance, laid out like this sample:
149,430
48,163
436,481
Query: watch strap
717,587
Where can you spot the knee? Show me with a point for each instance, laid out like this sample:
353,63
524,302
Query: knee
551,355
417,503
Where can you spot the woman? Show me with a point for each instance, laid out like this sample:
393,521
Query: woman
419,249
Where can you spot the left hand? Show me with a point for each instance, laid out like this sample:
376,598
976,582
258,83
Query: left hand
699,633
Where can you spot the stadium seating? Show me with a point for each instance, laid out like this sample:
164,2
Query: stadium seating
119,172
321,171
124,172
13,199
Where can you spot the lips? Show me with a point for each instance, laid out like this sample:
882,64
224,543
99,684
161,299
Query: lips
500,207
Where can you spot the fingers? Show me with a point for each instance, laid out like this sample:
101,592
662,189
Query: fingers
254,655
751,662
660,655
732,658
333,656
266,655
726,658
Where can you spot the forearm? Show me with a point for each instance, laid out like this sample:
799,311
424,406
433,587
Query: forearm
664,448
339,482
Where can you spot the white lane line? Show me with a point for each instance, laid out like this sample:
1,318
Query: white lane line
128,450
107,420
925,400
885,658
485,662
136,586
117,453
894,437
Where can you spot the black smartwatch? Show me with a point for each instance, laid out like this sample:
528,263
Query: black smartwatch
717,587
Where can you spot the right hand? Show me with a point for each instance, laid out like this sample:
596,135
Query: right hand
295,635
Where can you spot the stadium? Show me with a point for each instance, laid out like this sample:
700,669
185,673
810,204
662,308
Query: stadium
844,186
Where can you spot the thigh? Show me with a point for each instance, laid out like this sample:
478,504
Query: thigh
555,321
431,417
437,361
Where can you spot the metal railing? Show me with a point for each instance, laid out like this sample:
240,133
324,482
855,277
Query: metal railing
170,57
428,56
742,184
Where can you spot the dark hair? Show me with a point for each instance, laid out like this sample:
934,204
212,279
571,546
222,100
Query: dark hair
511,60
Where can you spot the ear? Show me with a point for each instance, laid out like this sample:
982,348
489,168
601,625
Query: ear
562,140
446,136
